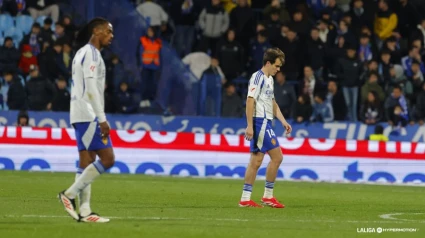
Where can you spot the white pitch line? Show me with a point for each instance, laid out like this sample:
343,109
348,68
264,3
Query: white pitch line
215,219
390,217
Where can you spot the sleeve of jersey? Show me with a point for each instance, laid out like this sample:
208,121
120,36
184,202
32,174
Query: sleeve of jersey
90,68
254,87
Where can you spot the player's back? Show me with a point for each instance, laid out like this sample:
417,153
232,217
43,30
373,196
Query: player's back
88,84
261,89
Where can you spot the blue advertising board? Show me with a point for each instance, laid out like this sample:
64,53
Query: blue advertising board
334,130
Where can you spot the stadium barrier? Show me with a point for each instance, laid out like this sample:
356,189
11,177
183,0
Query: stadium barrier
218,125
215,155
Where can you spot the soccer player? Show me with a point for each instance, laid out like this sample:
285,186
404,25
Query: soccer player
88,119
260,111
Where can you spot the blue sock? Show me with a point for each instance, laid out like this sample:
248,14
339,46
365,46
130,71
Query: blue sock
247,187
269,184
246,193
268,190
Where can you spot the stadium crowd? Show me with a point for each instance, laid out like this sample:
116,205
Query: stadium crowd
357,60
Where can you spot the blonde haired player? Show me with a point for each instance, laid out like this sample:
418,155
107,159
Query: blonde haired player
260,111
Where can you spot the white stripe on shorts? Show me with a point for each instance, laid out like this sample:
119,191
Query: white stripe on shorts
261,134
89,134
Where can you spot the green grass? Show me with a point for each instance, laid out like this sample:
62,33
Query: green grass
205,208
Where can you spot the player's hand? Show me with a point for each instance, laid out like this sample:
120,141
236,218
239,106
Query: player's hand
104,129
287,127
249,133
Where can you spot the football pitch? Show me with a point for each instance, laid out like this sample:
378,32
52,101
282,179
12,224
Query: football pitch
147,206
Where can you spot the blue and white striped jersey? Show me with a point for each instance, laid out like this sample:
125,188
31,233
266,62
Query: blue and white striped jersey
261,89
88,85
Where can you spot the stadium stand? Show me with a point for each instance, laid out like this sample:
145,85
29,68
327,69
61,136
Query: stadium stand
316,38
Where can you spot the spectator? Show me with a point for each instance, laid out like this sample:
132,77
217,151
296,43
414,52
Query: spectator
396,53
322,109
292,46
48,61
214,22
396,108
420,106
372,85
384,67
419,32
284,94
360,17
302,109
41,91
230,54
372,66
27,59
115,73
242,20
184,16
198,62
345,32
231,102
366,52
258,48
315,53
64,60
327,33
385,21
300,24
309,83
46,34
34,39
337,100
371,110
60,33
153,13
43,8
69,26
416,80
407,18
273,25
13,91
9,55
334,11
316,7
348,72
283,12
149,60
398,78
62,97
125,101
9,6
23,119
378,134
407,61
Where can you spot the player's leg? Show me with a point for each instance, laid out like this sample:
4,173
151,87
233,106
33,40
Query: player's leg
276,158
250,175
92,171
86,158
89,138
107,159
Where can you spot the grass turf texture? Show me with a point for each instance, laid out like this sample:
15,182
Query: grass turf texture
147,206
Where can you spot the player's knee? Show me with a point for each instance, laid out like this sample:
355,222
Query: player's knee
256,163
108,161
278,160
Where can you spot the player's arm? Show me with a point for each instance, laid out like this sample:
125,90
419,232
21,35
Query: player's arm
278,114
250,102
254,89
90,68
